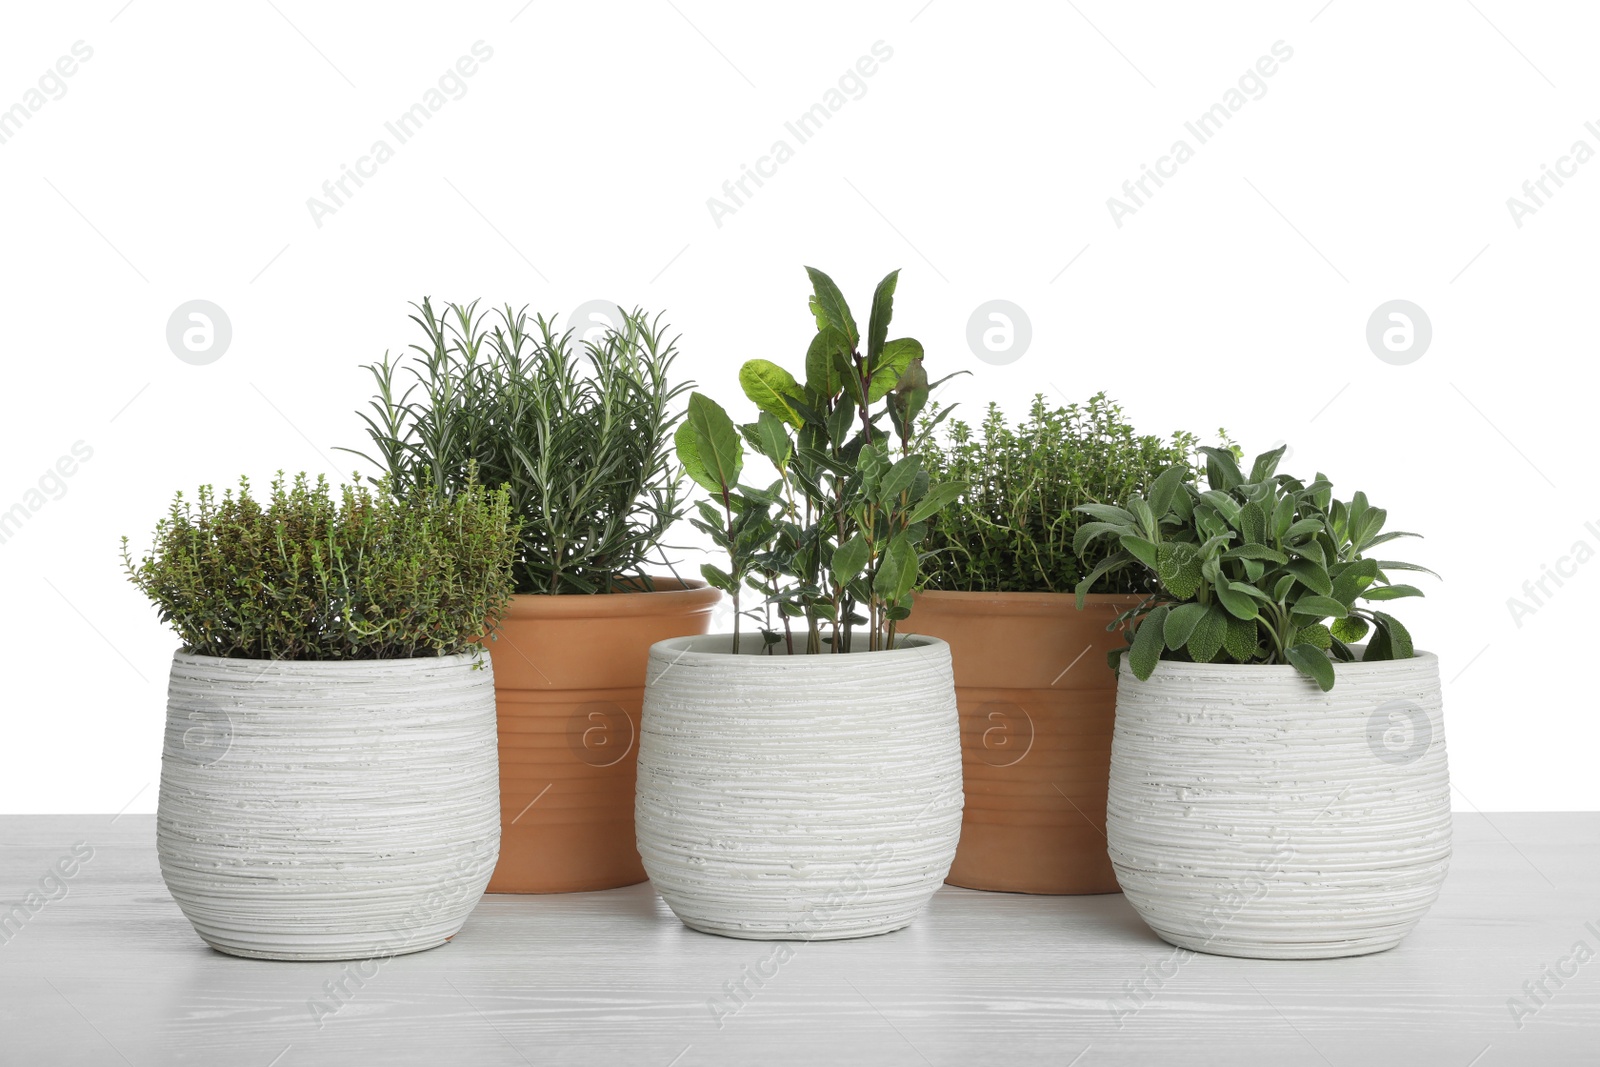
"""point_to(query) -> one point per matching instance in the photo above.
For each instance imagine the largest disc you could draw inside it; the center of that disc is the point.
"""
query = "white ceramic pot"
(798, 797)
(1252, 814)
(330, 809)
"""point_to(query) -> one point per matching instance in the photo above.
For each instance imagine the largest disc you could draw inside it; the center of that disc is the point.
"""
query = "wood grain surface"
(109, 972)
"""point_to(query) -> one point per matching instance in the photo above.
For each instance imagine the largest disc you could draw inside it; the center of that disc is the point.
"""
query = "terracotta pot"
(1252, 814)
(569, 681)
(1037, 707)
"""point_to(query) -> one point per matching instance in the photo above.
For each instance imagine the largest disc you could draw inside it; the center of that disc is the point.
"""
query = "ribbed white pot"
(798, 797)
(328, 810)
(1252, 814)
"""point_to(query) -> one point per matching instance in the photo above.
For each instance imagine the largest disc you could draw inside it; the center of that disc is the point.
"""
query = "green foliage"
(1250, 570)
(1012, 529)
(579, 435)
(833, 541)
(309, 577)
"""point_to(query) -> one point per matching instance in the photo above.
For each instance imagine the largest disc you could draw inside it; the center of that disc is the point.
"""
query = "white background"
(577, 166)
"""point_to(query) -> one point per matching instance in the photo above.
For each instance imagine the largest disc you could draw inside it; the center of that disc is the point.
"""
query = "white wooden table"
(109, 972)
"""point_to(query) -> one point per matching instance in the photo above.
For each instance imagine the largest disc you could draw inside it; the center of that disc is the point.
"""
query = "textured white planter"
(798, 797)
(328, 810)
(1252, 814)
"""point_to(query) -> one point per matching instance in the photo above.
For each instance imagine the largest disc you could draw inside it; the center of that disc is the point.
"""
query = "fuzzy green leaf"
(1350, 629)
(1301, 528)
(1142, 550)
(1319, 607)
(1353, 579)
(1261, 552)
(1107, 513)
(1392, 565)
(1101, 569)
(1181, 622)
(1178, 566)
(1209, 633)
(1165, 489)
(1252, 524)
(1316, 635)
(1391, 592)
(1223, 504)
(1239, 603)
(1398, 641)
(1385, 538)
(1266, 464)
(1222, 469)
(1147, 643)
(1241, 639)
(1314, 662)
(1311, 575)
(1090, 531)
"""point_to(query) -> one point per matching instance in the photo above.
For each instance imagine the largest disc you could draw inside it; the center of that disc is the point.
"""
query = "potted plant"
(580, 434)
(804, 781)
(328, 779)
(1277, 790)
(1036, 698)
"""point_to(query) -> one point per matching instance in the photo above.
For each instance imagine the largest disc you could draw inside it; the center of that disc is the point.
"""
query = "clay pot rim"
(1273, 673)
(200, 658)
(674, 596)
(984, 602)
(681, 650)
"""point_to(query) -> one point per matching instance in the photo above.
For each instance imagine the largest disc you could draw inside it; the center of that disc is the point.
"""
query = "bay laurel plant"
(1012, 529)
(831, 543)
(1257, 568)
(307, 575)
(579, 434)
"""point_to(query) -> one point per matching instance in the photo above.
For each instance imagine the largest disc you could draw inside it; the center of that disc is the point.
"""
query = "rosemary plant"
(579, 434)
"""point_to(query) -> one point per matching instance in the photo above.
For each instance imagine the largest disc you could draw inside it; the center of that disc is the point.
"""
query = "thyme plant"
(1261, 568)
(579, 434)
(1012, 529)
(308, 576)
(832, 543)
